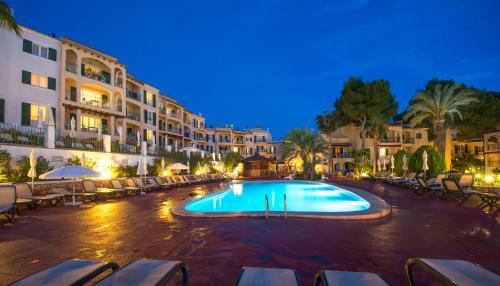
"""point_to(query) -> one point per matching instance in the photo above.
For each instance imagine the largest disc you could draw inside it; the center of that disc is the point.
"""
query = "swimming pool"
(301, 196)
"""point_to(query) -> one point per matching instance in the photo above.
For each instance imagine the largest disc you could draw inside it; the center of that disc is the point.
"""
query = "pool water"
(301, 196)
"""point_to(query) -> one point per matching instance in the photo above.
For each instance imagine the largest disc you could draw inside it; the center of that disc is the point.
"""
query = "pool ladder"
(267, 206)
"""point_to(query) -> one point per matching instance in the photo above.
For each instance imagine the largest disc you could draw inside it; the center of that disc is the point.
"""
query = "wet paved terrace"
(216, 248)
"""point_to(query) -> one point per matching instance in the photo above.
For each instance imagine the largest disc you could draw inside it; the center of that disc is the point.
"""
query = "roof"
(257, 158)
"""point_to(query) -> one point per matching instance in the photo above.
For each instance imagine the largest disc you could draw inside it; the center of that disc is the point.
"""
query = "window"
(36, 111)
(89, 123)
(383, 152)
(149, 135)
(39, 50)
(39, 80)
(418, 135)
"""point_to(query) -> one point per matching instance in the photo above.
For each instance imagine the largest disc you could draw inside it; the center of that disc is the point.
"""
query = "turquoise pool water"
(301, 196)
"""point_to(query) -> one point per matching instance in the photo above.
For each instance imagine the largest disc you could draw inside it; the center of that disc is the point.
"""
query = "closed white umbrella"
(99, 133)
(40, 118)
(138, 135)
(70, 172)
(383, 164)
(32, 171)
(84, 160)
(220, 157)
(50, 117)
(119, 129)
(392, 162)
(425, 166)
(206, 169)
(405, 163)
(166, 143)
(189, 167)
(140, 168)
(176, 145)
(213, 156)
(162, 166)
(72, 132)
(378, 165)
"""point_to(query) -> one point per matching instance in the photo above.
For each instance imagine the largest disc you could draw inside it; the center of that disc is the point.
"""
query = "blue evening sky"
(279, 63)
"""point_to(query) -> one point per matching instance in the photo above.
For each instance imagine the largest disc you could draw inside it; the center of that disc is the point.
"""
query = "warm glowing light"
(104, 168)
(364, 174)
(478, 176)
(489, 179)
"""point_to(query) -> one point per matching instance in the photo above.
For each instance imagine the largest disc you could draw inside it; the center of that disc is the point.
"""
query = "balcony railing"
(342, 155)
(71, 68)
(187, 134)
(118, 82)
(239, 142)
(260, 140)
(96, 103)
(409, 140)
(133, 95)
(162, 110)
(133, 116)
(390, 140)
(174, 130)
(76, 143)
(224, 140)
(22, 135)
(173, 115)
(99, 76)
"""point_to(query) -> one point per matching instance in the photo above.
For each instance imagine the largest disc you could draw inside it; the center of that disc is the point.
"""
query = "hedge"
(434, 160)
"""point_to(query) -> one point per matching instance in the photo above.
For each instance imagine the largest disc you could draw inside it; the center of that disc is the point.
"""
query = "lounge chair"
(345, 278)
(437, 181)
(116, 184)
(171, 181)
(154, 184)
(466, 181)
(8, 201)
(413, 183)
(324, 178)
(24, 192)
(403, 179)
(424, 188)
(6, 138)
(90, 186)
(23, 140)
(69, 272)
(162, 182)
(69, 195)
(452, 272)
(290, 177)
(146, 272)
(254, 276)
(140, 184)
(453, 189)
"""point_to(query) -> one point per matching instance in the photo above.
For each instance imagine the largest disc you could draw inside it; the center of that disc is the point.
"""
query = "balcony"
(260, 140)
(174, 130)
(162, 110)
(133, 95)
(224, 140)
(173, 115)
(342, 155)
(241, 142)
(133, 116)
(393, 140)
(98, 76)
(71, 68)
(96, 103)
(187, 134)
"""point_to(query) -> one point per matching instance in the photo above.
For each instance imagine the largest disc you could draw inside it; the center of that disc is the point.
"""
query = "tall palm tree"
(378, 127)
(438, 104)
(305, 144)
(327, 124)
(7, 20)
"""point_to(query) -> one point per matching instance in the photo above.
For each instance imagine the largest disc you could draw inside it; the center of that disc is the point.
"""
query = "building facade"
(89, 94)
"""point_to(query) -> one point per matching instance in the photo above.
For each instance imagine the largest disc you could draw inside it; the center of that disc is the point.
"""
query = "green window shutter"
(54, 115)
(51, 83)
(52, 54)
(104, 125)
(26, 77)
(154, 118)
(107, 76)
(154, 135)
(72, 96)
(145, 116)
(2, 110)
(27, 46)
(83, 69)
(144, 134)
(104, 98)
(25, 114)
(145, 97)
(154, 100)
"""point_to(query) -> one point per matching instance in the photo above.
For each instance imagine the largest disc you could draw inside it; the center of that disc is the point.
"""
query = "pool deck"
(216, 248)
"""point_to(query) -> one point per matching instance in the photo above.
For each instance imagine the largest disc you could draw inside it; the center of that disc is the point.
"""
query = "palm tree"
(327, 124)
(378, 127)
(438, 104)
(305, 144)
(7, 20)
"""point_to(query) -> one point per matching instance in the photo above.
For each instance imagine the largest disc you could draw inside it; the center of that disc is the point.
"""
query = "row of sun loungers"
(443, 185)
(147, 272)
(20, 194)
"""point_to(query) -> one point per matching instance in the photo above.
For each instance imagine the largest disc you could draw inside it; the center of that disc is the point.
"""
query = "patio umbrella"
(199, 165)
(166, 143)
(50, 117)
(425, 167)
(206, 169)
(84, 160)
(178, 167)
(189, 167)
(120, 134)
(138, 135)
(405, 163)
(392, 162)
(219, 157)
(72, 132)
(202, 154)
(99, 133)
(70, 172)
(32, 171)
(40, 118)
(213, 156)
(188, 154)
(383, 164)
(378, 165)
(162, 166)
(176, 147)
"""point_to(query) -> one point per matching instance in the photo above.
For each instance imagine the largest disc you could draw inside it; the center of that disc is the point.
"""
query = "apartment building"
(91, 94)
(348, 138)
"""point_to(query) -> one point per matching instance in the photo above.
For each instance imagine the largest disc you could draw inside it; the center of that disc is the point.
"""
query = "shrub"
(231, 160)
(75, 160)
(398, 161)
(467, 162)
(434, 160)
(23, 166)
(5, 169)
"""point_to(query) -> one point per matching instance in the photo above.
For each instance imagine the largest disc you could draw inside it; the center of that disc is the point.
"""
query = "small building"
(256, 166)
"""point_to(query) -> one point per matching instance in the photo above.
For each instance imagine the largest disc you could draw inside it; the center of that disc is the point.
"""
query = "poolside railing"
(22, 135)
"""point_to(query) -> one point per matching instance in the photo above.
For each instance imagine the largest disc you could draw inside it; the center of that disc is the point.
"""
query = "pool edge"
(378, 209)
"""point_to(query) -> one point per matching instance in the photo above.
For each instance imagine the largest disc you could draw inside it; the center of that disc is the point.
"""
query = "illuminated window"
(383, 152)
(149, 135)
(149, 98)
(39, 80)
(37, 110)
(88, 123)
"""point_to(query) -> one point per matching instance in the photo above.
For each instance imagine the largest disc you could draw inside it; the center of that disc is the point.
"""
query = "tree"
(435, 161)
(398, 161)
(328, 123)
(467, 162)
(306, 145)
(360, 100)
(480, 116)
(378, 127)
(231, 160)
(23, 166)
(7, 20)
(438, 104)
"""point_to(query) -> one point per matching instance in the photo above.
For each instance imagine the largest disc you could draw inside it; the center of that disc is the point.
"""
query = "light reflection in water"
(164, 211)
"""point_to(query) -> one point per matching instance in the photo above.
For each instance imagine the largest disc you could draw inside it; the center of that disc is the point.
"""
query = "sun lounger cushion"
(145, 272)
(256, 276)
(345, 278)
(69, 272)
(454, 272)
